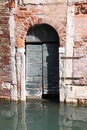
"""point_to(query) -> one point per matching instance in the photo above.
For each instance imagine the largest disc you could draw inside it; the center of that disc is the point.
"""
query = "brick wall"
(5, 72)
(80, 47)
(25, 16)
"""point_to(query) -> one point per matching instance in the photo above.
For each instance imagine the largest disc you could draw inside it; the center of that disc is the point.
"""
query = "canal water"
(37, 115)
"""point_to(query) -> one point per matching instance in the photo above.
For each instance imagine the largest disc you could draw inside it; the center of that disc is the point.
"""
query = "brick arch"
(22, 30)
(26, 24)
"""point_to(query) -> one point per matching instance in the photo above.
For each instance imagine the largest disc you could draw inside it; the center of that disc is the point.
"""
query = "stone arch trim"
(22, 30)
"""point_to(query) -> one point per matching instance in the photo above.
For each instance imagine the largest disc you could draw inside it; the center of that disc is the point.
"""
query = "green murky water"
(42, 116)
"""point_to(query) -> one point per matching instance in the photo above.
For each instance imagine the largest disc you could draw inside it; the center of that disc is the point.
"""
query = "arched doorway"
(42, 73)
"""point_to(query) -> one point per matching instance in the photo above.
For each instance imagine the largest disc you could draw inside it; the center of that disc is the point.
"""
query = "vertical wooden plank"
(34, 70)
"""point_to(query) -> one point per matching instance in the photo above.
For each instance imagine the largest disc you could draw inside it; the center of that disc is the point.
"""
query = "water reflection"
(42, 116)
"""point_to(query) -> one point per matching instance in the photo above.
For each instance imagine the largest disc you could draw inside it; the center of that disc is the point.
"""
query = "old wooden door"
(42, 61)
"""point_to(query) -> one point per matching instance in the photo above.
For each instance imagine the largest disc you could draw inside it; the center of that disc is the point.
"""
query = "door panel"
(34, 70)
